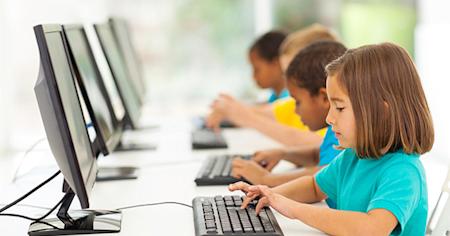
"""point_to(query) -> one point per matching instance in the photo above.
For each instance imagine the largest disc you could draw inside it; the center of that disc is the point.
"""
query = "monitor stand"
(116, 173)
(129, 146)
(77, 222)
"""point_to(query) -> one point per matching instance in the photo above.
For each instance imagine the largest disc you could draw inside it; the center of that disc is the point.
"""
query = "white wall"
(20, 122)
(432, 58)
(4, 75)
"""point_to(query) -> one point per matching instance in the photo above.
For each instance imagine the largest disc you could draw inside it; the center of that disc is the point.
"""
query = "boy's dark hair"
(307, 69)
(268, 45)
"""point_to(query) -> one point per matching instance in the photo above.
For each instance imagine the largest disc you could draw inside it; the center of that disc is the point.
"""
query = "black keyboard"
(200, 122)
(222, 215)
(217, 170)
(207, 139)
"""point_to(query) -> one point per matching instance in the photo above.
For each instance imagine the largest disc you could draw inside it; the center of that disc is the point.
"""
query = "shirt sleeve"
(328, 177)
(398, 191)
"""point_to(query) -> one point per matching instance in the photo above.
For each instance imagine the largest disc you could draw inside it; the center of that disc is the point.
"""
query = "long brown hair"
(389, 104)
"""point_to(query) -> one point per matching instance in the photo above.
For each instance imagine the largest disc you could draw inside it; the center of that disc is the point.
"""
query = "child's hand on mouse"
(269, 158)
(249, 170)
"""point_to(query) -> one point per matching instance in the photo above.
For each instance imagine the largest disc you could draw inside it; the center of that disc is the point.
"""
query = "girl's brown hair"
(389, 104)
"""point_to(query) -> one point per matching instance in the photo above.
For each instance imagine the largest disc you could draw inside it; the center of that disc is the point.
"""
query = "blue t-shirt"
(273, 97)
(327, 150)
(396, 182)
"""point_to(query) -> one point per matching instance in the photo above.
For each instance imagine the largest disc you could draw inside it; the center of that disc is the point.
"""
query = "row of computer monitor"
(69, 83)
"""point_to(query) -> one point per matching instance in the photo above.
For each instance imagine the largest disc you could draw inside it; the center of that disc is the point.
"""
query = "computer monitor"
(116, 62)
(93, 89)
(96, 100)
(123, 36)
(67, 135)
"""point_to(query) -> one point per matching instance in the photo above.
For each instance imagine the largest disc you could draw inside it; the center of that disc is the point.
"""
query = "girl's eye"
(340, 108)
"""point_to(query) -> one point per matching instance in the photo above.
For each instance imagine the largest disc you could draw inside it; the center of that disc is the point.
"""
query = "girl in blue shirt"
(382, 122)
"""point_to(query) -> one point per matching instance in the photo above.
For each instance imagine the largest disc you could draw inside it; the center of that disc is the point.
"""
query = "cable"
(154, 204)
(39, 219)
(50, 211)
(28, 218)
(30, 192)
(15, 177)
(30, 206)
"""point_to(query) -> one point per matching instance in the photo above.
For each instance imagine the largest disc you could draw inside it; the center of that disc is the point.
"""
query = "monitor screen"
(123, 36)
(62, 113)
(106, 74)
(92, 87)
(120, 73)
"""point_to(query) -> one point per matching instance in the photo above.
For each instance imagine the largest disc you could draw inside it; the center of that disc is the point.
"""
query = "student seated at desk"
(277, 120)
(306, 81)
(383, 124)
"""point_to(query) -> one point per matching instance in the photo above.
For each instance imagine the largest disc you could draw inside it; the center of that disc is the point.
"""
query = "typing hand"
(213, 120)
(269, 158)
(267, 197)
(250, 170)
(233, 110)
(252, 192)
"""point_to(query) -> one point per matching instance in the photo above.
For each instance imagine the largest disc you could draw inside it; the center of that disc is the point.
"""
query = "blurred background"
(193, 49)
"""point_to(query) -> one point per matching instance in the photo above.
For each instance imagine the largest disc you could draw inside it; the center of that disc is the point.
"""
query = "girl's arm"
(330, 221)
(339, 222)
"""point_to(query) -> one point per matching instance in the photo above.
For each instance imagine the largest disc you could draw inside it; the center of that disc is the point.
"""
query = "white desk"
(166, 174)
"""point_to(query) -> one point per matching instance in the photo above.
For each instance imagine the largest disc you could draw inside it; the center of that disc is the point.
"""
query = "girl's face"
(341, 116)
(265, 73)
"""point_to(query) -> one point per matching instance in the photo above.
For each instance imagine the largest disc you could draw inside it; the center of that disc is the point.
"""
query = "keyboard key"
(265, 221)
(237, 198)
(255, 220)
(209, 217)
(218, 167)
(227, 167)
(208, 167)
(235, 223)
(207, 209)
(210, 224)
(220, 203)
(228, 198)
(229, 203)
(246, 225)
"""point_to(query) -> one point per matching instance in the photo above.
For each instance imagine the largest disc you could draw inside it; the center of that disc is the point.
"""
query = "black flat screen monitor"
(101, 110)
(123, 36)
(127, 91)
(67, 134)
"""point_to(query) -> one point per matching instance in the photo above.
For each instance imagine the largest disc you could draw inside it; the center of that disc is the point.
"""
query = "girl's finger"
(262, 202)
(248, 199)
(239, 186)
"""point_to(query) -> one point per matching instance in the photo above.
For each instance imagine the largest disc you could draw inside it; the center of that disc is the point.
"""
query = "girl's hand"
(233, 110)
(266, 198)
(250, 170)
(213, 120)
(269, 158)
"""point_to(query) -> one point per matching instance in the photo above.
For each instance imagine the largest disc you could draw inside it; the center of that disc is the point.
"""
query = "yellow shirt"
(284, 112)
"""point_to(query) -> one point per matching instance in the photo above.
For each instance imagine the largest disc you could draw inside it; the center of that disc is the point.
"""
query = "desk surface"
(166, 174)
